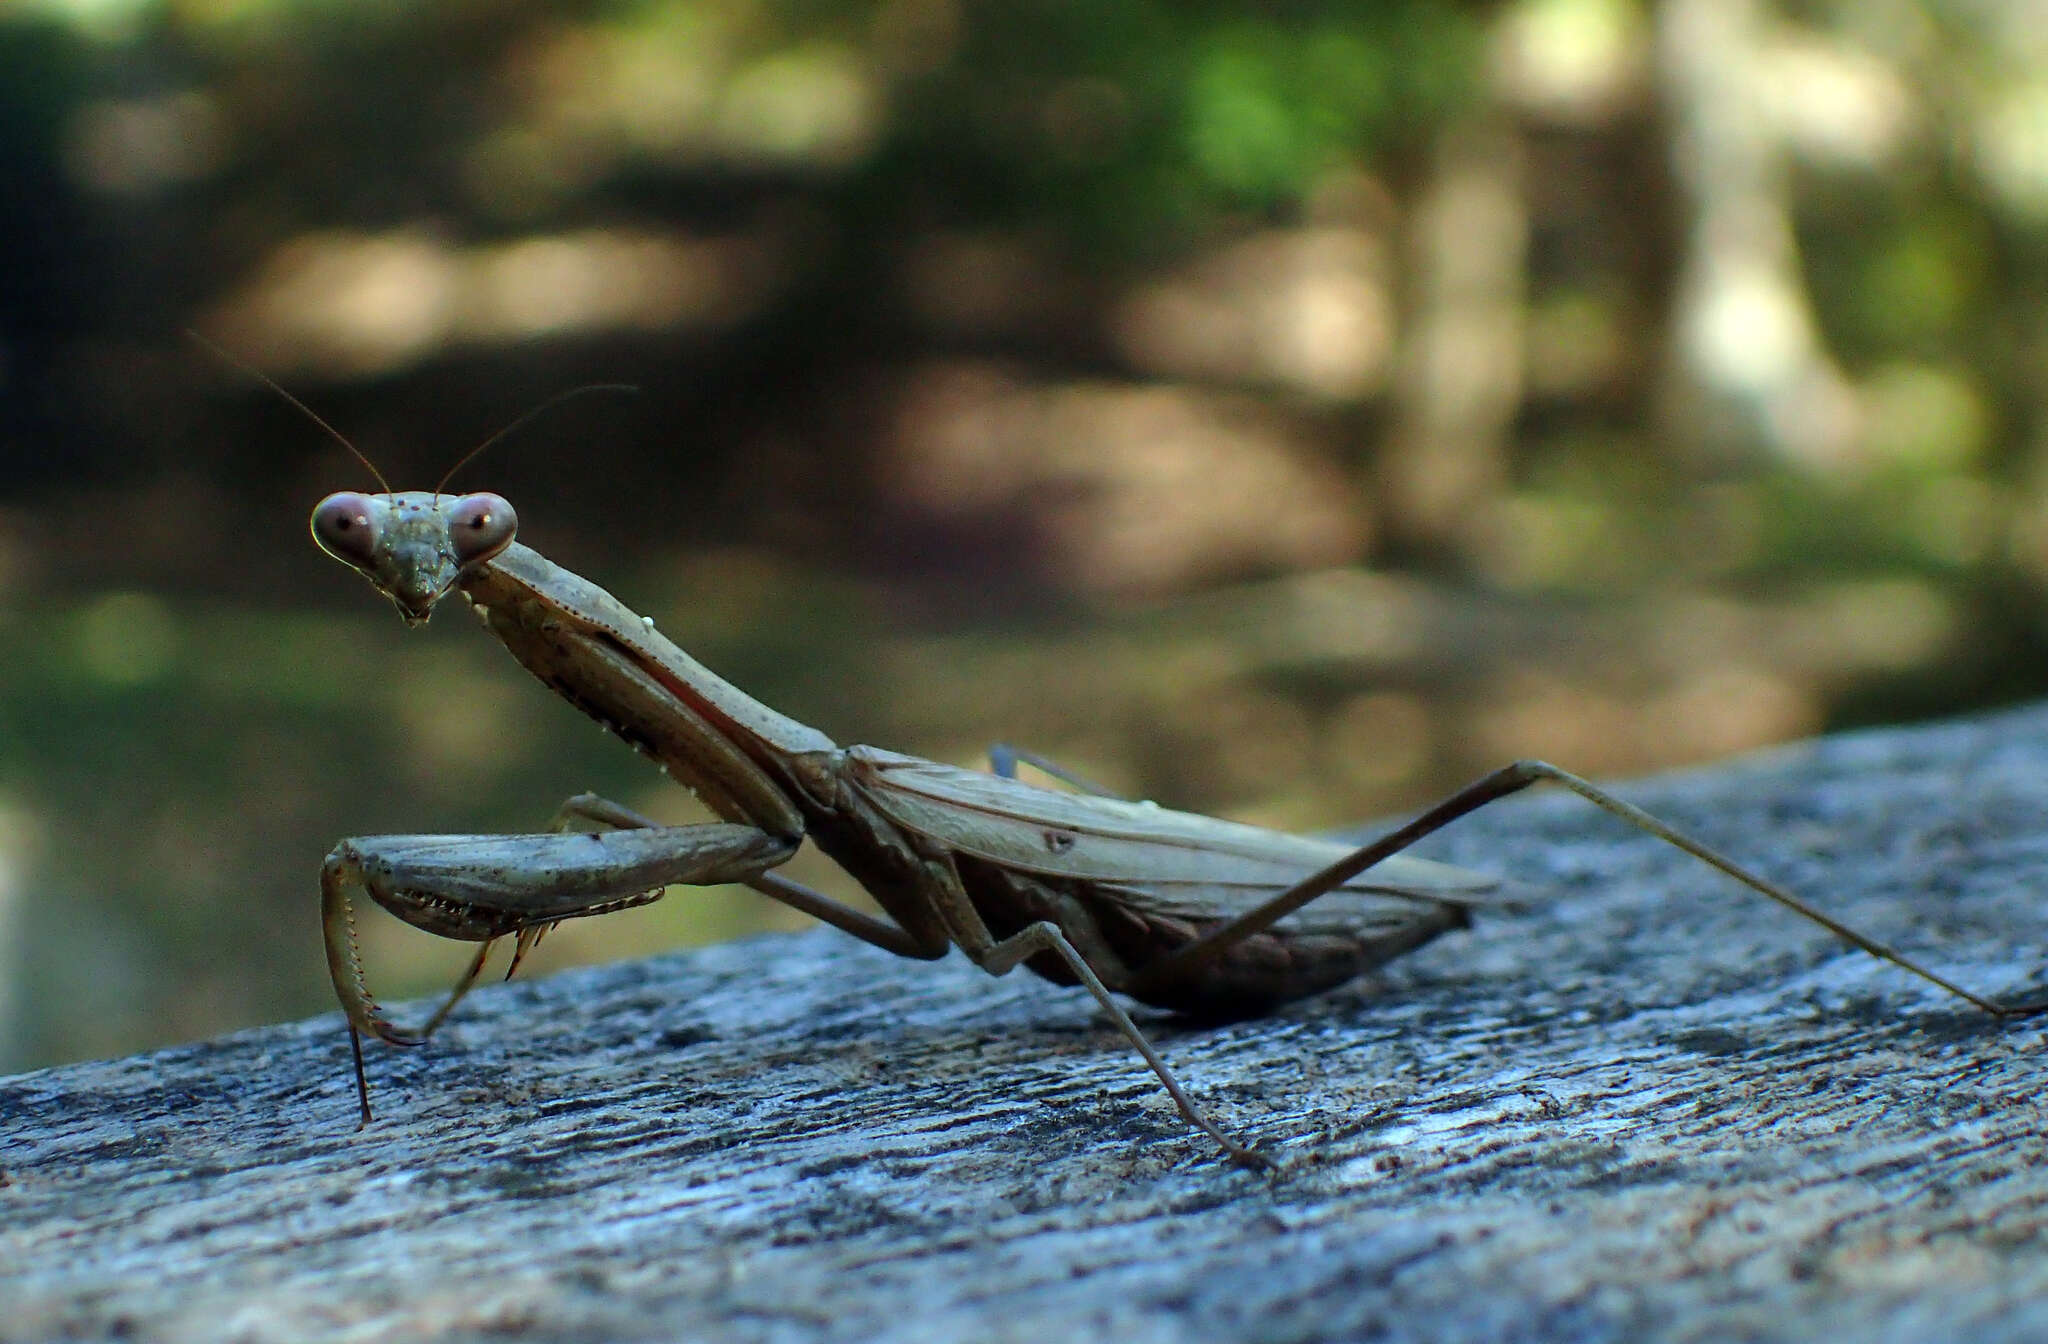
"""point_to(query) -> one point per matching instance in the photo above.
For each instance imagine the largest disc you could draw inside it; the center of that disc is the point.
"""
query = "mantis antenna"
(526, 419)
(357, 453)
(303, 409)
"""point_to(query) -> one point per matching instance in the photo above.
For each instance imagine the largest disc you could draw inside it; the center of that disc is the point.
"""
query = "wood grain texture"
(1652, 1106)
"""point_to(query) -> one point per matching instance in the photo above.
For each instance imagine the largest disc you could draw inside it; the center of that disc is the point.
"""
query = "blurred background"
(1287, 411)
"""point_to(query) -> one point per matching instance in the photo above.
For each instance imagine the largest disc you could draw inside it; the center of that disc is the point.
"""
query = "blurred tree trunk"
(1461, 374)
(1748, 367)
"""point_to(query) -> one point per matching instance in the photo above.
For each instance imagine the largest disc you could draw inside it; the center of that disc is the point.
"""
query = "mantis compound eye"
(345, 527)
(480, 526)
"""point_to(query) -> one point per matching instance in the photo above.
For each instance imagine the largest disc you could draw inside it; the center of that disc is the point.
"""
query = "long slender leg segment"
(880, 932)
(1045, 936)
(971, 934)
(1191, 958)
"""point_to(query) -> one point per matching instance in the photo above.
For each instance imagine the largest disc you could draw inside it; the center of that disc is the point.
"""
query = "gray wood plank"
(1651, 1106)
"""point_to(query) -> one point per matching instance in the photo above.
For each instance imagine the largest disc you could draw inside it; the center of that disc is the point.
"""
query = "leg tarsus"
(355, 1046)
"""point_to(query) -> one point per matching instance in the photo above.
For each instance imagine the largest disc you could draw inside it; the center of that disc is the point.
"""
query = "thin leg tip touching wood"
(1251, 1159)
(2024, 1008)
(355, 1045)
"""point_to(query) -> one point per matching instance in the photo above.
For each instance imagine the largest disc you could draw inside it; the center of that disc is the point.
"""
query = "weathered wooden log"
(1653, 1105)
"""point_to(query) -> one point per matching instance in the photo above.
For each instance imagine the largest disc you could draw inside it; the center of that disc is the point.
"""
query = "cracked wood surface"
(1652, 1105)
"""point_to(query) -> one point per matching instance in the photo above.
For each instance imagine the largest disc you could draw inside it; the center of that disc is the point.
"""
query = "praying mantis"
(1172, 909)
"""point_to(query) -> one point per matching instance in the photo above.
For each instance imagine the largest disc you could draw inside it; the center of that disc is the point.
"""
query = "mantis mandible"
(1169, 908)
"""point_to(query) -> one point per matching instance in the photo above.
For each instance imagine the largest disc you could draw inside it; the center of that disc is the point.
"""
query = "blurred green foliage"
(1135, 129)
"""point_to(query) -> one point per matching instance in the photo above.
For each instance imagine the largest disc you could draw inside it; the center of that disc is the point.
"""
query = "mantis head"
(412, 545)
